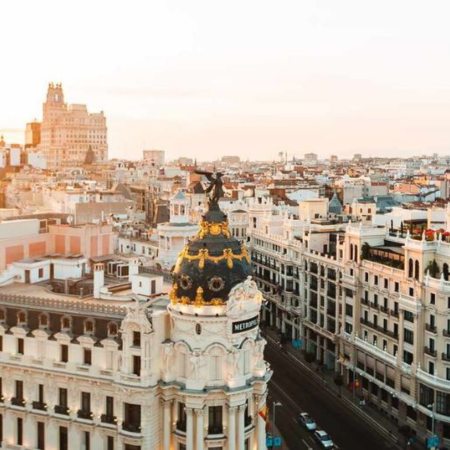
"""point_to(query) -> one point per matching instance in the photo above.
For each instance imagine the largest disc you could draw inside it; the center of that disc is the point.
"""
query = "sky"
(250, 78)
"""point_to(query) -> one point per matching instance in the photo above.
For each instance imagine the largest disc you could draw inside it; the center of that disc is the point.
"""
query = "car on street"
(323, 439)
(307, 421)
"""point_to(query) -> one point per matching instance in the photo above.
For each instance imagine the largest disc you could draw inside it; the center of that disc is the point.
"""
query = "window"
(1, 343)
(431, 367)
(137, 365)
(89, 326)
(41, 273)
(136, 339)
(19, 436)
(408, 336)
(132, 418)
(64, 353)
(110, 443)
(215, 420)
(40, 436)
(409, 316)
(348, 310)
(110, 406)
(112, 329)
(19, 390)
(396, 286)
(43, 320)
(20, 346)
(386, 283)
(375, 280)
(433, 298)
(63, 438)
(65, 323)
(87, 440)
(41, 394)
(63, 397)
(87, 356)
(408, 357)
(366, 277)
(86, 402)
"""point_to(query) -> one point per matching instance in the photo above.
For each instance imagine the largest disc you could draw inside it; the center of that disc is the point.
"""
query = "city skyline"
(330, 79)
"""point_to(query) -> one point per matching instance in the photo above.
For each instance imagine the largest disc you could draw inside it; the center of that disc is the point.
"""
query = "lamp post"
(275, 404)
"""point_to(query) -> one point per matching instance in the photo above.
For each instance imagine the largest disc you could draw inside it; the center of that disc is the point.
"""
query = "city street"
(298, 391)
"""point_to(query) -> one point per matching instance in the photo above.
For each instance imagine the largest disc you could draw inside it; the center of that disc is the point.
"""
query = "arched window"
(43, 320)
(112, 329)
(445, 271)
(21, 318)
(417, 270)
(66, 323)
(89, 326)
(410, 268)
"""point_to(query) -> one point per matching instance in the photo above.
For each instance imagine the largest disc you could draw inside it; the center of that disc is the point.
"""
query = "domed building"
(215, 377)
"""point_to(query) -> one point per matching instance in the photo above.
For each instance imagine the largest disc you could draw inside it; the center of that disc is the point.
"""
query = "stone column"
(189, 429)
(200, 429)
(241, 428)
(167, 423)
(231, 428)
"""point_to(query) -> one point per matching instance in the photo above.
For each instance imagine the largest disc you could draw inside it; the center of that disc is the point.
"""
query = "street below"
(298, 391)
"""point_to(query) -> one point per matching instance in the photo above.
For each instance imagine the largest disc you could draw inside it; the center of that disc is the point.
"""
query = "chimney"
(99, 278)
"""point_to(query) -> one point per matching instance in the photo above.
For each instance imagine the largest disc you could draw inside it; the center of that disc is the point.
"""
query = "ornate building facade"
(104, 367)
(70, 135)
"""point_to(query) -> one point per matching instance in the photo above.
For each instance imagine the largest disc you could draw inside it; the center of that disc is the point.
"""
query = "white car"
(306, 420)
(323, 439)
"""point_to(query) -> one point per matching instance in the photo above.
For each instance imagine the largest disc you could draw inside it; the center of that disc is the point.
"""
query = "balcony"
(85, 414)
(63, 410)
(16, 401)
(384, 309)
(445, 356)
(39, 406)
(131, 427)
(446, 332)
(108, 419)
(430, 352)
(395, 313)
(364, 301)
(430, 328)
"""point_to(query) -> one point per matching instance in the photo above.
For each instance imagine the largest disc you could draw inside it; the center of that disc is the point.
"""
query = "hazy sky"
(206, 78)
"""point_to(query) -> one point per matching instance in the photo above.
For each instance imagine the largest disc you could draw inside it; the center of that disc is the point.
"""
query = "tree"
(339, 381)
(433, 268)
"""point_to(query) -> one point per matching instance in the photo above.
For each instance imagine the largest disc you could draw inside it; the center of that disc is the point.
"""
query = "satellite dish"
(70, 220)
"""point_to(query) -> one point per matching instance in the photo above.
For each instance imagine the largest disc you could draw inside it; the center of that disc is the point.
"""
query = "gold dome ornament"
(199, 297)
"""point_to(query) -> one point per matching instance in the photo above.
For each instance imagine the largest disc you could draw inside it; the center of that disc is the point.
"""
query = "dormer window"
(66, 324)
(112, 329)
(89, 326)
(43, 320)
(21, 318)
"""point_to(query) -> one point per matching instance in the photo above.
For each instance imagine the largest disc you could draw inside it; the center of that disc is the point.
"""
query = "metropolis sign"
(245, 325)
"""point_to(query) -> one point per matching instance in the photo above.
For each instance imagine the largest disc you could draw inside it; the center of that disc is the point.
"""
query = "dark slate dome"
(211, 264)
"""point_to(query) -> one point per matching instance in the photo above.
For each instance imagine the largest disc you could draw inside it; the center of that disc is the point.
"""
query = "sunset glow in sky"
(252, 78)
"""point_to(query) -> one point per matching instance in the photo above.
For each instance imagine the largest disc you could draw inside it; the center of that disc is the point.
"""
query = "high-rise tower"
(70, 132)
